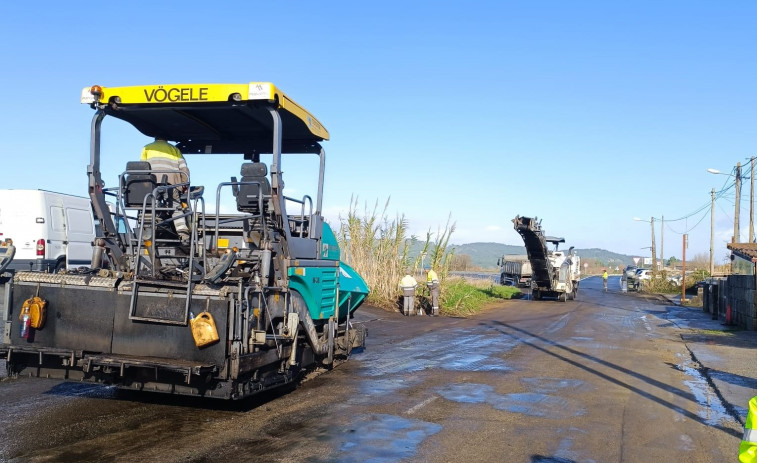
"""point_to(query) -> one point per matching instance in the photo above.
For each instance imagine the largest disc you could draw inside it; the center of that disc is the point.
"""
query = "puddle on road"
(564, 451)
(383, 387)
(679, 317)
(585, 342)
(468, 393)
(462, 351)
(379, 438)
(534, 404)
(541, 459)
(527, 403)
(90, 390)
(547, 385)
(712, 410)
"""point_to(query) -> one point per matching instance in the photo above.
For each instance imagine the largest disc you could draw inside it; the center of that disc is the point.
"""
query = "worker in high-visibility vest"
(432, 281)
(167, 158)
(748, 447)
(408, 285)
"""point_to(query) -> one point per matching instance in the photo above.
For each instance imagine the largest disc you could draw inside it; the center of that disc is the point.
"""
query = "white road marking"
(417, 407)
(646, 323)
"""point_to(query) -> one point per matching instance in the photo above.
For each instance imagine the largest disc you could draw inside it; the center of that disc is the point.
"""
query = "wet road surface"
(605, 378)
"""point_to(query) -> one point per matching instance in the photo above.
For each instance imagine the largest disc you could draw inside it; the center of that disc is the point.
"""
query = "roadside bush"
(463, 297)
(660, 285)
(696, 275)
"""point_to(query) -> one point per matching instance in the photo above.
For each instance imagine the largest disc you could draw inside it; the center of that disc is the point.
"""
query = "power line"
(718, 195)
(689, 228)
(725, 193)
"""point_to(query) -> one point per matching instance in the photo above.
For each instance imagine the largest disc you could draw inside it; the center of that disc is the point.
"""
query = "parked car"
(674, 279)
(634, 281)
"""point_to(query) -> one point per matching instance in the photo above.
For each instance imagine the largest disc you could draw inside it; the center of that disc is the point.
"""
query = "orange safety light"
(96, 90)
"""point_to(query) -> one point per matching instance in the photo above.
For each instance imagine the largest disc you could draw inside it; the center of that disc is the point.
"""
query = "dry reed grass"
(378, 249)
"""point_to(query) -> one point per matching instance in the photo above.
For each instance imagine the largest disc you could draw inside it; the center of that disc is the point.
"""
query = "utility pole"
(751, 206)
(654, 255)
(712, 233)
(683, 271)
(662, 242)
(735, 238)
(736, 223)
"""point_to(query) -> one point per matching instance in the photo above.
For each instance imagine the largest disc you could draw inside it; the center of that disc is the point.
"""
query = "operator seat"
(137, 185)
(252, 195)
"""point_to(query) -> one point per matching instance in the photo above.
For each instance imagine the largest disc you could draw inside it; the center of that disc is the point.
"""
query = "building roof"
(747, 251)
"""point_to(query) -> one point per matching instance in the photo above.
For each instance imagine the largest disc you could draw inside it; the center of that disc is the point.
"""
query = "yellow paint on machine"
(173, 93)
(204, 93)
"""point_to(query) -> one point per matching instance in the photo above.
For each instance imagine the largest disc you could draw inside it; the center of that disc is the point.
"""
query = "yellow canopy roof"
(212, 118)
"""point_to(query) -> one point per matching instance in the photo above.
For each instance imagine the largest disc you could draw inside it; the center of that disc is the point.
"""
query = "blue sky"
(585, 114)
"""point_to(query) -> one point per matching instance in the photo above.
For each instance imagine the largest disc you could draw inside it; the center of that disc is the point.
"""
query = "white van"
(51, 231)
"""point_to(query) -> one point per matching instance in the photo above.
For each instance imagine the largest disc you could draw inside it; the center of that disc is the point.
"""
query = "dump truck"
(257, 297)
(555, 273)
(514, 271)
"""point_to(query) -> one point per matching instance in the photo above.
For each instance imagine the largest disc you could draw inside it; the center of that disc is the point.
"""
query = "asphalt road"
(604, 378)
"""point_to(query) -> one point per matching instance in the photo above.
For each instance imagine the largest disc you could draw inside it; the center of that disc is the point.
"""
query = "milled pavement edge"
(726, 355)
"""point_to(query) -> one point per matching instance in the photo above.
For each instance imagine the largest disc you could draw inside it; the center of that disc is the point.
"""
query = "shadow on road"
(98, 391)
(503, 328)
(543, 459)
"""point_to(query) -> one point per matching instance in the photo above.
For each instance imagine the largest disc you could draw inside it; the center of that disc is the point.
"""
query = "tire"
(536, 295)
(60, 265)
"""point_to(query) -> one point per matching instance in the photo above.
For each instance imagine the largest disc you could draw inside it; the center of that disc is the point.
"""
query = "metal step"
(122, 363)
(6, 293)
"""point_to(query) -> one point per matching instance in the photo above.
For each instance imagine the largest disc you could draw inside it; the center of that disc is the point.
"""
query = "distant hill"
(486, 254)
(605, 257)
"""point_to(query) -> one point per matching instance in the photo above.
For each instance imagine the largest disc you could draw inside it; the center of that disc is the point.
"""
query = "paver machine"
(554, 273)
(255, 299)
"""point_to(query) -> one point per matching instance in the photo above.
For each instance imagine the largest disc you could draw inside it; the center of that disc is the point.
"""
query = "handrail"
(302, 211)
(246, 216)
